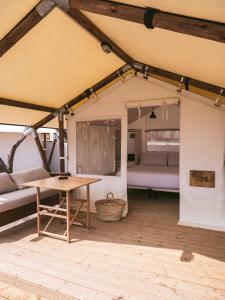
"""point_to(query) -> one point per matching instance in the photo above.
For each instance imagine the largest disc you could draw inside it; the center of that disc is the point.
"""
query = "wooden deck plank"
(147, 256)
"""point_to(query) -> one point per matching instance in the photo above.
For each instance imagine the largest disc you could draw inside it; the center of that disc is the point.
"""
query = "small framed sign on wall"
(202, 178)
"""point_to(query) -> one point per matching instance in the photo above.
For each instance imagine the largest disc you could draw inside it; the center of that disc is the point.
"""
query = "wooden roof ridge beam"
(26, 24)
(151, 18)
(26, 105)
(187, 81)
(89, 26)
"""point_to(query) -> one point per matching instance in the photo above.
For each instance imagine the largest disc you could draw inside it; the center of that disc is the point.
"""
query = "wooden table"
(63, 185)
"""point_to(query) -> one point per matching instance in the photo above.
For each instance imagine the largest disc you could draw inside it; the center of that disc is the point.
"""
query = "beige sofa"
(17, 201)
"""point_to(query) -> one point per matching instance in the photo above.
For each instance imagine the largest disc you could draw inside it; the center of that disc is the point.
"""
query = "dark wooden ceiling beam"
(26, 105)
(187, 25)
(83, 21)
(31, 20)
(141, 67)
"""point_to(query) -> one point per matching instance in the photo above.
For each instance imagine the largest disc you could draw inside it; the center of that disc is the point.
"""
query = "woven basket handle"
(110, 196)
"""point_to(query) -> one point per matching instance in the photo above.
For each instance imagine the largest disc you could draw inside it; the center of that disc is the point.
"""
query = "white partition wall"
(115, 184)
(202, 148)
(202, 145)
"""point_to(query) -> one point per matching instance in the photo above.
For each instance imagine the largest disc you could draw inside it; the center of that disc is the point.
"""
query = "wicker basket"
(110, 209)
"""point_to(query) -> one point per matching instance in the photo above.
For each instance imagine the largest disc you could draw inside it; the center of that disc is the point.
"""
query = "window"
(163, 139)
(98, 147)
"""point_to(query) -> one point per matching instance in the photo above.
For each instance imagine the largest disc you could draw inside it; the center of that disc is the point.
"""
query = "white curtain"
(95, 149)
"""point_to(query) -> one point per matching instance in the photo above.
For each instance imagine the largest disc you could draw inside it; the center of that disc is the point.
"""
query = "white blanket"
(162, 177)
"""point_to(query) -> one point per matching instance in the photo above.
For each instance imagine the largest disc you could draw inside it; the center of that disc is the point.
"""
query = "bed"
(156, 171)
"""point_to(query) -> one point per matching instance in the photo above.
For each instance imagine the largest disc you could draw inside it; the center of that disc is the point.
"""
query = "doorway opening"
(153, 146)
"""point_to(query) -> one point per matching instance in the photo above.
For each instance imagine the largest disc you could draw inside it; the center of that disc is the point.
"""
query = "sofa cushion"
(22, 197)
(154, 158)
(6, 183)
(29, 175)
(173, 159)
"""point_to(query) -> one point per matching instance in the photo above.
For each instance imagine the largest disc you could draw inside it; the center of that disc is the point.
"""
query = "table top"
(55, 183)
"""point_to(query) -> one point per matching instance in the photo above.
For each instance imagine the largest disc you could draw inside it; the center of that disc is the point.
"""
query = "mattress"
(161, 177)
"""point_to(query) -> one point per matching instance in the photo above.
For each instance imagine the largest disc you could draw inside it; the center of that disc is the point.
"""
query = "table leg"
(38, 212)
(68, 197)
(88, 206)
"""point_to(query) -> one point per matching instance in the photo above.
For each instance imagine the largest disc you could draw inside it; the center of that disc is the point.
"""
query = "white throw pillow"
(154, 158)
(6, 184)
(29, 175)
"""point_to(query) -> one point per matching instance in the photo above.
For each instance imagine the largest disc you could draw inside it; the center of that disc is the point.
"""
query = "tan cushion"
(22, 197)
(29, 175)
(6, 184)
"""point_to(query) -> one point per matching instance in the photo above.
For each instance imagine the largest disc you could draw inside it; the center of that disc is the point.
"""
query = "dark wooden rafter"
(82, 20)
(27, 23)
(65, 107)
(187, 82)
(187, 25)
(26, 105)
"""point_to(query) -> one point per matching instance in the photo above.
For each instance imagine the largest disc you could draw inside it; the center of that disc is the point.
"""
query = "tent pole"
(61, 142)
(40, 149)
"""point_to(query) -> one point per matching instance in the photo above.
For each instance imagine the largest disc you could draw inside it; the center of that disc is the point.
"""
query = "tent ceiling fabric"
(20, 116)
(193, 57)
(57, 60)
(54, 62)
(12, 12)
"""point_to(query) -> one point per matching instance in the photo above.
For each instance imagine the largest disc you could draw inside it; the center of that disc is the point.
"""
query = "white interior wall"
(159, 123)
(54, 166)
(113, 104)
(202, 146)
(26, 156)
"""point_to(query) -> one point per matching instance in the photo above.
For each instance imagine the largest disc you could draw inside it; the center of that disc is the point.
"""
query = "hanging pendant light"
(152, 115)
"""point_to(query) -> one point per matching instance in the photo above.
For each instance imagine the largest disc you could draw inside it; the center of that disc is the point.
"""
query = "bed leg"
(149, 193)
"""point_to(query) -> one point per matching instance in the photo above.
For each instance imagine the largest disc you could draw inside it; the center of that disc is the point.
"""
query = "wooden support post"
(45, 144)
(40, 149)
(88, 207)
(61, 142)
(38, 211)
(51, 153)
(68, 225)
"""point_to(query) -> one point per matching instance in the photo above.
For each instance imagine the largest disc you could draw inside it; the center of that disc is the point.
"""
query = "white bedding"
(162, 177)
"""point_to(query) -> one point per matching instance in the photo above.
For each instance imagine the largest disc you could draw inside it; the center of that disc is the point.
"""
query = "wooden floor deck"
(146, 256)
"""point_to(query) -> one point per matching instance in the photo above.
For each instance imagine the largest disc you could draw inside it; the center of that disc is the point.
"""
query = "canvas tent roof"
(57, 60)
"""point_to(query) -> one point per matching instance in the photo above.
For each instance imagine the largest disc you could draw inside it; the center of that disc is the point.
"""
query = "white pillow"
(29, 175)
(6, 184)
(173, 159)
(154, 158)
